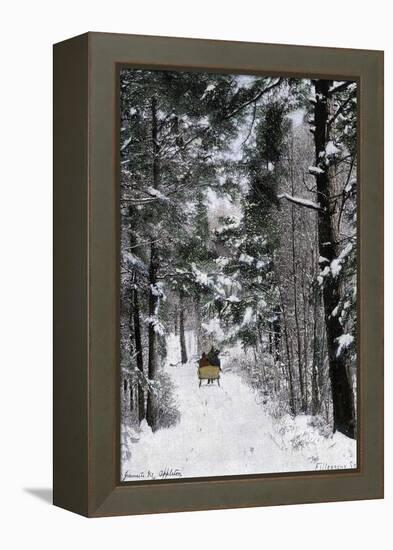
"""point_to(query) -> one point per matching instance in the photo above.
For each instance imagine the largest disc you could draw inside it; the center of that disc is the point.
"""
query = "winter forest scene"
(238, 274)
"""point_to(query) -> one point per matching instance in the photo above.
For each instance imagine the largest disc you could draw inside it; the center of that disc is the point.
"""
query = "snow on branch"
(125, 144)
(133, 262)
(341, 87)
(157, 326)
(315, 170)
(300, 201)
(343, 341)
(152, 192)
(210, 88)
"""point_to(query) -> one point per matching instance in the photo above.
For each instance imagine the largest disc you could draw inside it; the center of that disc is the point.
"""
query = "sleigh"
(209, 373)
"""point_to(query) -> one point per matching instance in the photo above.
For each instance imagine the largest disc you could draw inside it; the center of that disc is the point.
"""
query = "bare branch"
(251, 125)
(254, 99)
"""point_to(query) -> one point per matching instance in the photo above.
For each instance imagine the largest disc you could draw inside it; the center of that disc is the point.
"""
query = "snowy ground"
(226, 431)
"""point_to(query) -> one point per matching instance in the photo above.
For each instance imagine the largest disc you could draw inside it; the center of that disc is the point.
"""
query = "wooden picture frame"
(86, 293)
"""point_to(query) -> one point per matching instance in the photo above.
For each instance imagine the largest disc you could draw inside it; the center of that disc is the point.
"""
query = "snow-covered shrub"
(301, 441)
(128, 397)
(128, 436)
(125, 444)
(167, 414)
(278, 404)
(319, 422)
(262, 377)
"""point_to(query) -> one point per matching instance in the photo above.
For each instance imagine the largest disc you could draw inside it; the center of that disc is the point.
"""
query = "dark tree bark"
(277, 335)
(295, 304)
(135, 329)
(132, 401)
(183, 348)
(199, 324)
(342, 394)
(151, 408)
(292, 406)
(315, 403)
(176, 321)
(270, 338)
(305, 335)
(138, 350)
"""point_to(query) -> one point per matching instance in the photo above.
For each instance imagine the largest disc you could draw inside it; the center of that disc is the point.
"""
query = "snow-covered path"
(226, 431)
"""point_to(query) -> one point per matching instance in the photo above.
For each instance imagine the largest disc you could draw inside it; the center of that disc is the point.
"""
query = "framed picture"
(218, 261)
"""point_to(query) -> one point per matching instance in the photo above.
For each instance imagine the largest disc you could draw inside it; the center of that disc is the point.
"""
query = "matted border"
(104, 495)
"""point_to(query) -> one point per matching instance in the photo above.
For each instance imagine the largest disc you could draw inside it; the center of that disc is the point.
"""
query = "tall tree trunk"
(198, 320)
(315, 359)
(305, 336)
(295, 302)
(135, 329)
(270, 339)
(176, 320)
(183, 348)
(276, 325)
(132, 401)
(292, 406)
(277, 335)
(151, 408)
(342, 394)
(138, 351)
